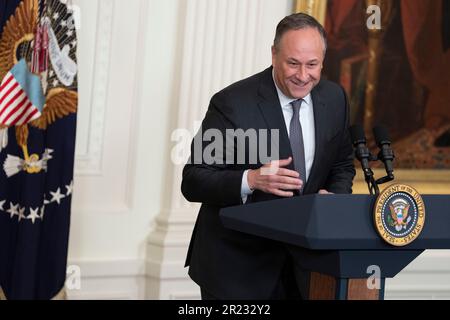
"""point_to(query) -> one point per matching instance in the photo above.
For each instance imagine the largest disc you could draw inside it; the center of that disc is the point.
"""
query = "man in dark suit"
(308, 119)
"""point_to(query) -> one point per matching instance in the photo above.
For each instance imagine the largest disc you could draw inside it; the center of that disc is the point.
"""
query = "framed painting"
(391, 79)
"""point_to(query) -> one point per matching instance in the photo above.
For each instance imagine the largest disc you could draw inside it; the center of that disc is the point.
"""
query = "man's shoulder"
(329, 87)
(331, 94)
(244, 89)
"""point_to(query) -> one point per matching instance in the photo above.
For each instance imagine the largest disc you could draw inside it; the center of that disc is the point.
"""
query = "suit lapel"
(320, 124)
(269, 105)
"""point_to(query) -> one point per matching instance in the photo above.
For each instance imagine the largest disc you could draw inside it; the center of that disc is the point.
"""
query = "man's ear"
(274, 53)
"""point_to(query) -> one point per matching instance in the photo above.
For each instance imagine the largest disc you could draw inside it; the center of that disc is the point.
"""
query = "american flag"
(36, 175)
(21, 97)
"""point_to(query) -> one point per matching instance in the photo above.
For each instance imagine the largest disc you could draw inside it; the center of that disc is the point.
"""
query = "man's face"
(298, 62)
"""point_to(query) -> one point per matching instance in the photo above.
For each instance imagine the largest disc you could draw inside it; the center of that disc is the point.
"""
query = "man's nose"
(302, 74)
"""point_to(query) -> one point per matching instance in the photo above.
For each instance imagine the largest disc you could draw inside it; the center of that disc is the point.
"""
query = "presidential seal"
(399, 215)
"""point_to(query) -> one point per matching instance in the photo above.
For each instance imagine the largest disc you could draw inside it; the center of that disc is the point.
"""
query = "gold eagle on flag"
(42, 32)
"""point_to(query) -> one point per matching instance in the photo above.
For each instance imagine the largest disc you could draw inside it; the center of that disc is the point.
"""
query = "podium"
(333, 240)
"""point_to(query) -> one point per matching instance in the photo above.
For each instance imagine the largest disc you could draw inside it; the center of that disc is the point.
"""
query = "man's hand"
(323, 191)
(273, 178)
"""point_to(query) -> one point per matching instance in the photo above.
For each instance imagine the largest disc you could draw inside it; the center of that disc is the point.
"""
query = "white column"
(222, 43)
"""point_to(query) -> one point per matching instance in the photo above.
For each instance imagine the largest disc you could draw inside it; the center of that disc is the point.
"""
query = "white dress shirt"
(308, 130)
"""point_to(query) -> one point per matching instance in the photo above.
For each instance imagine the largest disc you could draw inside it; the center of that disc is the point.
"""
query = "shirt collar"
(286, 101)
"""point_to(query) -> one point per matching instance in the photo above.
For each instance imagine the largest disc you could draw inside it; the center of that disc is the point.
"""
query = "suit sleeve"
(210, 180)
(340, 178)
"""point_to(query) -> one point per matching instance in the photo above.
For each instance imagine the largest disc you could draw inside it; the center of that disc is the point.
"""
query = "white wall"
(139, 60)
(130, 60)
(127, 59)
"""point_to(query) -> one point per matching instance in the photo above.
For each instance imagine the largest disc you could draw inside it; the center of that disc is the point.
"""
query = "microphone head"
(381, 135)
(357, 134)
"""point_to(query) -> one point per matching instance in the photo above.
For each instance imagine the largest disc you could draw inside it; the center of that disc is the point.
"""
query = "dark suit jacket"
(234, 265)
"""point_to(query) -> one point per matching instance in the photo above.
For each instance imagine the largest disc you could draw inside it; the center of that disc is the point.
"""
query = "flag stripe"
(33, 116)
(18, 111)
(9, 90)
(28, 113)
(11, 104)
(16, 115)
(22, 113)
(15, 105)
(12, 97)
(5, 83)
(3, 97)
(12, 115)
(6, 111)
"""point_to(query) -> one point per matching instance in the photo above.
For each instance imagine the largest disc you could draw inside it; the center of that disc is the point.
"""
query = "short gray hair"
(298, 21)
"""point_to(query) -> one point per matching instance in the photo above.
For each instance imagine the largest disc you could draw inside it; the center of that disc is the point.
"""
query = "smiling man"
(297, 59)
(314, 155)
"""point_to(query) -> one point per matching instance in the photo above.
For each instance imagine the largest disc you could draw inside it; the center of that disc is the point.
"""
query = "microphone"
(359, 142)
(363, 154)
(386, 153)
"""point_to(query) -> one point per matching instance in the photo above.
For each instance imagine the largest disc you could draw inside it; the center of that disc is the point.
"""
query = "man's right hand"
(273, 178)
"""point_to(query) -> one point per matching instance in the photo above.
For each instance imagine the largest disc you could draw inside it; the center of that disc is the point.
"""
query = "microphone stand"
(386, 154)
(363, 154)
(383, 154)
(372, 184)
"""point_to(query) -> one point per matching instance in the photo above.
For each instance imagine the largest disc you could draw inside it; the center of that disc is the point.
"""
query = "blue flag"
(38, 105)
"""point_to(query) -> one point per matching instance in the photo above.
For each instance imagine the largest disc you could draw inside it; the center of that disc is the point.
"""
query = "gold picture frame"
(425, 181)
(315, 8)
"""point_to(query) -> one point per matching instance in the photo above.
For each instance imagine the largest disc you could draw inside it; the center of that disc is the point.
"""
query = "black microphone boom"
(363, 154)
(359, 142)
(386, 153)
